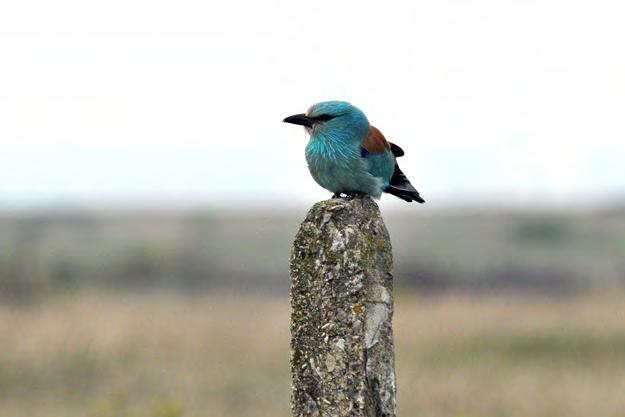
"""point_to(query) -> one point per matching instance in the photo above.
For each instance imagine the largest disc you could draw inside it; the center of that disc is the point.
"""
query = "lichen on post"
(342, 354)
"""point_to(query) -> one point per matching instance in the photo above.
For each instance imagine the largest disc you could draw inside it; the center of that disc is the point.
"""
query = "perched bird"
(346, 155)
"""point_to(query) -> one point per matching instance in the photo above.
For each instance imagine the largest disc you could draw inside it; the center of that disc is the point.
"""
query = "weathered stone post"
(342, 355)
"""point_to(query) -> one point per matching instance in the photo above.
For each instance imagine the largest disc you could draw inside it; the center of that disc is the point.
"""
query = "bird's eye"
(323, 117)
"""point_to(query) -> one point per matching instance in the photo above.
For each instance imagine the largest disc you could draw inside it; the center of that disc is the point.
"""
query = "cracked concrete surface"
(342, 354)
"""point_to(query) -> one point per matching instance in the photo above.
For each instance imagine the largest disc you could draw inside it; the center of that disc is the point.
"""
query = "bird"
(346, 155)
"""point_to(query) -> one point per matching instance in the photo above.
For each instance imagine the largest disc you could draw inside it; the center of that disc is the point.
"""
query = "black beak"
(299, 119)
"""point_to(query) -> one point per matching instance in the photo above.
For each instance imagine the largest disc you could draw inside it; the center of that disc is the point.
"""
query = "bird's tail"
(401, 187)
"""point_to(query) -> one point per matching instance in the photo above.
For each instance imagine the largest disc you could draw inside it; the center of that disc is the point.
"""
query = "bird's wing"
(398, 185)
(376, 152)
(375, 143)
(397, 151)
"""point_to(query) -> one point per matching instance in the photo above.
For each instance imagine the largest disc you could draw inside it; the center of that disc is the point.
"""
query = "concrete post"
(342, 354)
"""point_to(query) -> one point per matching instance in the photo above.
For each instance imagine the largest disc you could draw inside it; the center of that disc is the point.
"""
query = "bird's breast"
(323, 153)
(338, 167)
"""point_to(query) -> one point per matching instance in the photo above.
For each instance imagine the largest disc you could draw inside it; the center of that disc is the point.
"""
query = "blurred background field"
(164, 355)
(548, 252)
(149, 194)
(185, 313)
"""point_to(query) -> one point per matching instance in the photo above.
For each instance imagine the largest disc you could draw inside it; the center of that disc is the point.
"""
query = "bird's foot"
(350, 195)
(355, 194)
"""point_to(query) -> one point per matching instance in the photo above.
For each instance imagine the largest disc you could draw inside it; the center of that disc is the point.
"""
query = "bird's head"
(334, 118)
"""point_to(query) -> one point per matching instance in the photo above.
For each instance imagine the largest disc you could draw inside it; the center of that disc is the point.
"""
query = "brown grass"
(226, 355)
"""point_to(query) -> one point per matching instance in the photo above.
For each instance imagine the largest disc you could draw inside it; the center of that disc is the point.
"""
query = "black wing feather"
(396, 150)
(400, 185)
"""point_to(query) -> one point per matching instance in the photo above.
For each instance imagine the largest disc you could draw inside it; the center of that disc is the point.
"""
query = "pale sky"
(139, 101)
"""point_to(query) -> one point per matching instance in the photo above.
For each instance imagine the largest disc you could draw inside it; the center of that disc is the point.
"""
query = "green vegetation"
(226, 355)
(545, 253)
(152, 315)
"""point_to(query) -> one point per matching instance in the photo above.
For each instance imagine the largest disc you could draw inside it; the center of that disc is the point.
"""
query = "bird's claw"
(355, 195)
(350, 195)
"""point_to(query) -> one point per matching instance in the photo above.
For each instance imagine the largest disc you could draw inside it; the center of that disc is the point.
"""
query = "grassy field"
(226, 355)
(560, 252)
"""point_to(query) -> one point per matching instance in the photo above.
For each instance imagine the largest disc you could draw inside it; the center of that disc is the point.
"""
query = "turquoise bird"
(346, 155)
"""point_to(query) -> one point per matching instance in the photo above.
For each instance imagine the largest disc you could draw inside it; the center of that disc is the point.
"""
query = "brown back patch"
(375, 142)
